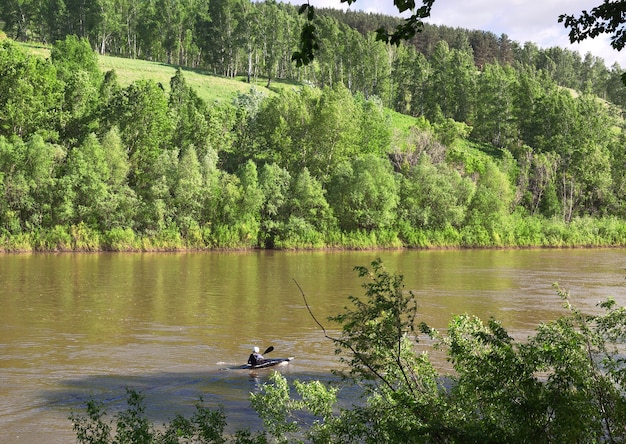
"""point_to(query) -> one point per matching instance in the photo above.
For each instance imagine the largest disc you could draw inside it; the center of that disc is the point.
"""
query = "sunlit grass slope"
(210, 88)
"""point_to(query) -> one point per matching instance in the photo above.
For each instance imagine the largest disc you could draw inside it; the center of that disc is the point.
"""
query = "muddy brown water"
(75, 327)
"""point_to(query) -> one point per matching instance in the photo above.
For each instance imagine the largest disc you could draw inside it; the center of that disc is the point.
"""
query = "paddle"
(269, 349)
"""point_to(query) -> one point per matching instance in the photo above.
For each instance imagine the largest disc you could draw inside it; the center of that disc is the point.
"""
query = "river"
(172, 325)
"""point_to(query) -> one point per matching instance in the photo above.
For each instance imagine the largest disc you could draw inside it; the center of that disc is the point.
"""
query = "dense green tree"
(406, 73)
(128, 39)
(369, 66)
(495, 112)
(528, 90)
(210, 186)
(492, 201)
(363, 194)
(307, 201)
(77, 67)
(616, 93)
(619, 181)
(147, 32)
(528, 54)
(19, 16)
(433, 196)
(275, 183)
(176, 21)
(275, 25)
(121, 207)
(249, 26)
(154, 190)
(188, 190)
(335, 131)
(439, 94)
(283, 129)
(84, 186)
(564, 66)
(463, 79)
(336, 53)
(140, 111)
(226, 196)
(222, 40)
(375, 128)
(29, 177)
(593, 76)
(188, 114)
(537, 182)
(53, 16)
(107, 24)
(451, 84)
(590, 158)
(30, 94)
(252, 198)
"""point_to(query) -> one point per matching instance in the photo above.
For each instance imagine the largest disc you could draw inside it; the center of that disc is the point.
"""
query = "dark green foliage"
(189, 116)
(433, 196)
(564, 383)
(30, 94)
(132, 426)
(363, 194)
(72, 55)
(308, 38)
(606, 18)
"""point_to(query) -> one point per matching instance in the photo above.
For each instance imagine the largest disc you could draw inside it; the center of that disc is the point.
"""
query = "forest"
(456, 138)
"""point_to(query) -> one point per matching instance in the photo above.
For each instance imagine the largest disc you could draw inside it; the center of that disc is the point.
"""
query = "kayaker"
(256, 357)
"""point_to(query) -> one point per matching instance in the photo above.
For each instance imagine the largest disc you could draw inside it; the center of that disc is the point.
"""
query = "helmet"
(256, 349)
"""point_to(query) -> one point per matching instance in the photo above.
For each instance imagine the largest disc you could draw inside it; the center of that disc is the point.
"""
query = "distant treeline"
(88, 164)
(257, 39)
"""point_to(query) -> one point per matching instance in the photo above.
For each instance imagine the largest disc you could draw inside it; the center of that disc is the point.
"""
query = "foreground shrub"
(566, 383)
(132, 426)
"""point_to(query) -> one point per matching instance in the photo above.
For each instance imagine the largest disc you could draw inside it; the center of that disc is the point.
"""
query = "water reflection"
(79, 325)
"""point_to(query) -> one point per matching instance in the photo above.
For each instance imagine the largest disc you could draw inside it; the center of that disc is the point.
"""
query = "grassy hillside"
(209, 87)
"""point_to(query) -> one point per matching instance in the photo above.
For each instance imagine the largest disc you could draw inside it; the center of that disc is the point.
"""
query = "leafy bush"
(121, 239)
(132, 426)
(85, 238)
(15, 242)
(55, 239)
(566, 383)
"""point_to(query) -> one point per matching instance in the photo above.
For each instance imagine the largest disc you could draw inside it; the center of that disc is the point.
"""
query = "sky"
(521, 20)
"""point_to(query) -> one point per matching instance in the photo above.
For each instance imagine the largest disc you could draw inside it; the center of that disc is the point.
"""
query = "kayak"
(265, 364)
(269, 363)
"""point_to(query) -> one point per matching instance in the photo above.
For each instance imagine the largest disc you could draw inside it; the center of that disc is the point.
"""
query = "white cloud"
(522, 20)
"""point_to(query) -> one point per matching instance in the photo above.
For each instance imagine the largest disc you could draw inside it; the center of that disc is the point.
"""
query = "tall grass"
(515, 232)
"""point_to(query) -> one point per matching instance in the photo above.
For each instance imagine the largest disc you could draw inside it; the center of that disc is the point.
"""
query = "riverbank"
(515, 232)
